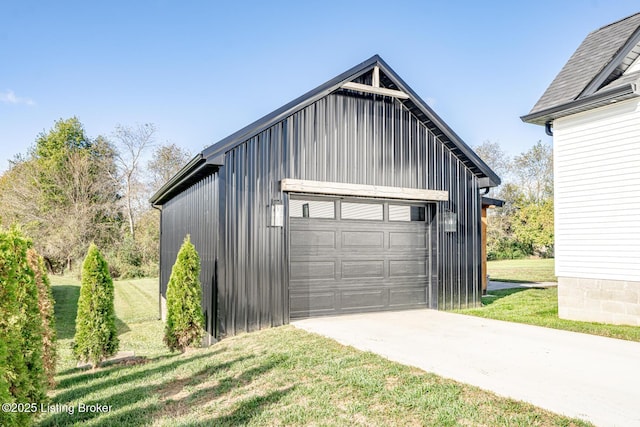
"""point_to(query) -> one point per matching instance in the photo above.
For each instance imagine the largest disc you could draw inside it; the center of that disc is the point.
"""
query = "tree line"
(70, 190)
(66, 195)
(524, 225)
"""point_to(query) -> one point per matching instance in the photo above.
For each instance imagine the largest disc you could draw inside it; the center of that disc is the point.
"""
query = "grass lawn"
(540, 307)
(136, 306)
(522, 270)
(279, 376)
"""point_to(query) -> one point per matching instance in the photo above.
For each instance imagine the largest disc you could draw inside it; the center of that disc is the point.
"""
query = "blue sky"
(200, 70)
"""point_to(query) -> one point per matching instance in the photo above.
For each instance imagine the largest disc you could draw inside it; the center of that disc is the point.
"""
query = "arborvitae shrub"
(185, 320)
(96, 335)
(10, 342)
(45, 306)
(6, 418)
(22, 377)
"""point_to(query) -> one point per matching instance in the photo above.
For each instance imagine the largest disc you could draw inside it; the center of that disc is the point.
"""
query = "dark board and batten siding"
(343, 137)
(194, 212)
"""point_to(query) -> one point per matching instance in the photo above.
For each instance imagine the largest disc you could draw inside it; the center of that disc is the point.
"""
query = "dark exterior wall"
(193, 211)
(252, 278)
(344, 137)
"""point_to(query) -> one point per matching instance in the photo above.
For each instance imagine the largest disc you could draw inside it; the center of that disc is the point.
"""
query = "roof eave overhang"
(488, 202)
(493, 180)
(290, 108)
(335, 84)
(198, 166)
(600, 99)
(213, 155)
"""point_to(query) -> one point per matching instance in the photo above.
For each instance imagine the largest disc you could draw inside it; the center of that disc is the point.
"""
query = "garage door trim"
(362, 190)
(314, 268)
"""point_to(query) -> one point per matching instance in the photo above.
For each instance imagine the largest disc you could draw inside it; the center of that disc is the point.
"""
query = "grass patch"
(522, 270)
(540, 307)
(136, 306)
(279, 376)
(282, 376)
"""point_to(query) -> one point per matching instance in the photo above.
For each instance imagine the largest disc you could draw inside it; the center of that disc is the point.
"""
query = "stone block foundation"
(595, 300)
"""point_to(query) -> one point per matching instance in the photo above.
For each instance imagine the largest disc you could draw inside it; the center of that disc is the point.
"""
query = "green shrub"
(6, 418)
(10, 342)
(507, 248)
(96, 335)
(127, 261)
(22, 377)
(45, 307)
(185, 320)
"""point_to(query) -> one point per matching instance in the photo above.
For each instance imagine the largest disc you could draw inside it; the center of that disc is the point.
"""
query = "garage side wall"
(344, 137)
(193, 211)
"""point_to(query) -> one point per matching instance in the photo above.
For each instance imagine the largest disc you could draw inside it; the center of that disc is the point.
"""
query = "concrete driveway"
(593, 378)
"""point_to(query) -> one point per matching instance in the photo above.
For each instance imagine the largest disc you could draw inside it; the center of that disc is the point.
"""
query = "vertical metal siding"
(344, 137)
(254, 286)
(194, 212)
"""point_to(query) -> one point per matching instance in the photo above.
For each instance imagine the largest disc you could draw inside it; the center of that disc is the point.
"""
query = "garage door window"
(311, 209)
(369, 211)
(406, 213)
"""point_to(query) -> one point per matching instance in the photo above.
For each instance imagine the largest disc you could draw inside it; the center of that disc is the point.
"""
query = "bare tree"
(167, 160)
(83, 209)
(491, 153)
(534, 172)
(132, 141)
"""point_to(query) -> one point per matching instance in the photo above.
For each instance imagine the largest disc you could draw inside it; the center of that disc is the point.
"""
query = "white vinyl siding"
(597, 193)
(635, 66)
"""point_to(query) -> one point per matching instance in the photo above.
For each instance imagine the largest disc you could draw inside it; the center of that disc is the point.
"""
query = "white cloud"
(9, 97)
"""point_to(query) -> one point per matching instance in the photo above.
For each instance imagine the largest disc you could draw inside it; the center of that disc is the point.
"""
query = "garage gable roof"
(595, 73)
(385, 82)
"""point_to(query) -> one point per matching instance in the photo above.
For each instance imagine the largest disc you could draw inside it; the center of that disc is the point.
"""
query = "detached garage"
(354, 197)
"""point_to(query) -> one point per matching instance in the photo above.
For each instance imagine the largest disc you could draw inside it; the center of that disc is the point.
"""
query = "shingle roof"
(593, 69)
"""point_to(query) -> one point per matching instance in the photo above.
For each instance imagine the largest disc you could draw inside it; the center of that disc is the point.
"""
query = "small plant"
(185, 320)
(96, 335)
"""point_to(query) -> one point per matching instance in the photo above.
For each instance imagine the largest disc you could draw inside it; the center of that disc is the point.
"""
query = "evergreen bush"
(22, 377)
(96, 335)
(185, 321)
(46, 309)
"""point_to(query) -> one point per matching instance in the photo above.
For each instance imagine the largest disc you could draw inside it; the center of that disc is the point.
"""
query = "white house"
(592, 109)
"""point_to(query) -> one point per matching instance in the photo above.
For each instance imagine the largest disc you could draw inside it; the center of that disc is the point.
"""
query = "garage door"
(349, 256)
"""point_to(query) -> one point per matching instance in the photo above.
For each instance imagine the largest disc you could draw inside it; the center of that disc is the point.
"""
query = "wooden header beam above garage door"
(360, 190)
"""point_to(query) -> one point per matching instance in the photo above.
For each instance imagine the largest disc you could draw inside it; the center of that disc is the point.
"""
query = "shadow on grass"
(121, 327)
(76, 389)
(493, 296)
(511, 280)
(66, 308)
(246, 410)
(122, 398)
(113, 368)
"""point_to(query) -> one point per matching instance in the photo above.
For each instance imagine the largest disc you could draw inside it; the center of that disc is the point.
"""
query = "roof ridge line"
(614, 23)
(447, 136)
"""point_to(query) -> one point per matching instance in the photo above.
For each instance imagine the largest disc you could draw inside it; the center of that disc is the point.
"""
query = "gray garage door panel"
(348, 266)
(363, 269)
